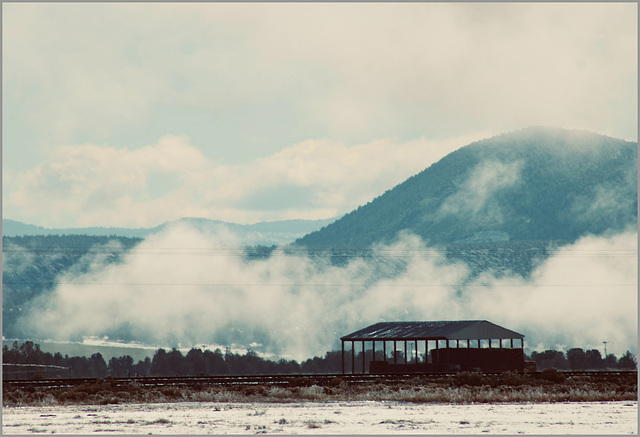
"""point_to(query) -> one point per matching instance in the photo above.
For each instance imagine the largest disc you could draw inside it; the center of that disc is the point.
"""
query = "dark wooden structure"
(446, 345)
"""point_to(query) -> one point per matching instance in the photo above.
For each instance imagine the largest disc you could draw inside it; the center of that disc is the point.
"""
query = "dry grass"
(462, 389)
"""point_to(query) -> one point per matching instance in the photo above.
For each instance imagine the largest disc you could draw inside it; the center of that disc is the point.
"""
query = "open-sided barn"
(433, 347)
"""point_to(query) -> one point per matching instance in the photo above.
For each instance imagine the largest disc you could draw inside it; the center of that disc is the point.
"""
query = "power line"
(211, 284)
(325, 252)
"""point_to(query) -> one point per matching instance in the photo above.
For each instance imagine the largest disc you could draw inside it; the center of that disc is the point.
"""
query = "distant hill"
(263, 233)
(520, 189)
(13, 228)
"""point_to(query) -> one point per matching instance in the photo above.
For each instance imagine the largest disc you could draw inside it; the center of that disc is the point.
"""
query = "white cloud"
(585, 294)
(93, 185)
(474, 198)
(351, 72)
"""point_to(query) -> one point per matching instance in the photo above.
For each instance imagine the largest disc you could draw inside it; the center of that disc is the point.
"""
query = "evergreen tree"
(627, 362)
(195, 362)
(97, 366)
(594, 360)
(577, 359)
(215, 363)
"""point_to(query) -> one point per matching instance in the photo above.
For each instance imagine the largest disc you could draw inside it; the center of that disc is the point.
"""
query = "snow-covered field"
(326, 418)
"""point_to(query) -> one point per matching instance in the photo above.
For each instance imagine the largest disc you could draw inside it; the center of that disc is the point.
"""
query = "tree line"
(579, 359)
(27, 360)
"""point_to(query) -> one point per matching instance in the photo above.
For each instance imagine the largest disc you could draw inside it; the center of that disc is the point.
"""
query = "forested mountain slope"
(518, 190)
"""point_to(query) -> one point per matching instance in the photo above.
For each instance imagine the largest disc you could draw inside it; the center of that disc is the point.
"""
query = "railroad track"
(289, 379)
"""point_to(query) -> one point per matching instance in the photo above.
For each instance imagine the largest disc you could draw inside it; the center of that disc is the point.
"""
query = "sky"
(132, 115)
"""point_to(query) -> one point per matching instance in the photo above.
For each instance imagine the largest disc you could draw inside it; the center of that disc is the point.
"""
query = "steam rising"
(184, 288)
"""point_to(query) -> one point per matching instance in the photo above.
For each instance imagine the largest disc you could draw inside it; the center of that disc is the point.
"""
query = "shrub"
(89, 388)
(254, 390)
(552, 374)
(300, 382)
(171, 392)
(313, 392)
(278, 393)
(335, 382)
(513, 378)
(73, 396)
(469, 378)
(312, 424)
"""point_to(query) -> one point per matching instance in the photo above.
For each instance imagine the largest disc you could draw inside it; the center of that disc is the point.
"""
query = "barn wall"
(487, 359)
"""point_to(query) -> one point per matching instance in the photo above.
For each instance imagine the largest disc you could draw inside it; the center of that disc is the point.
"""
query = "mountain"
(263, 233)
(13, 228)
(520, 189)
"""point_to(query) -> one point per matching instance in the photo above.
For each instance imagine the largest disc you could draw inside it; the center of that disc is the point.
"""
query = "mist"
(184, 288)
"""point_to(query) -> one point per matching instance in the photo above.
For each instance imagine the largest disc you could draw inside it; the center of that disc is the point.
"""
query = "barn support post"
(468, 351)
(374, 351)
(353, 357)
(426, 351)
(488, 362)
(384, 350)
(416, 345)
(395, 352)
(343, 357)
(405, 352)
(363, 357)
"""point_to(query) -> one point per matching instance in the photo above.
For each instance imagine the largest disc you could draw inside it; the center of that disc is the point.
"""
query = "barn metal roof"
(451, 330)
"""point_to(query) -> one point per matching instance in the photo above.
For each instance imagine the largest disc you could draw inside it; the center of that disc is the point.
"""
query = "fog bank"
(183, 288)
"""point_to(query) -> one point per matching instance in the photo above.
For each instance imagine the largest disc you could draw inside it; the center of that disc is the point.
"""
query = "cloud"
(94, 185)
(585, 294)
(286, 72)
(611, 205)
(474, 198)
(99, 184)
(183, 288)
